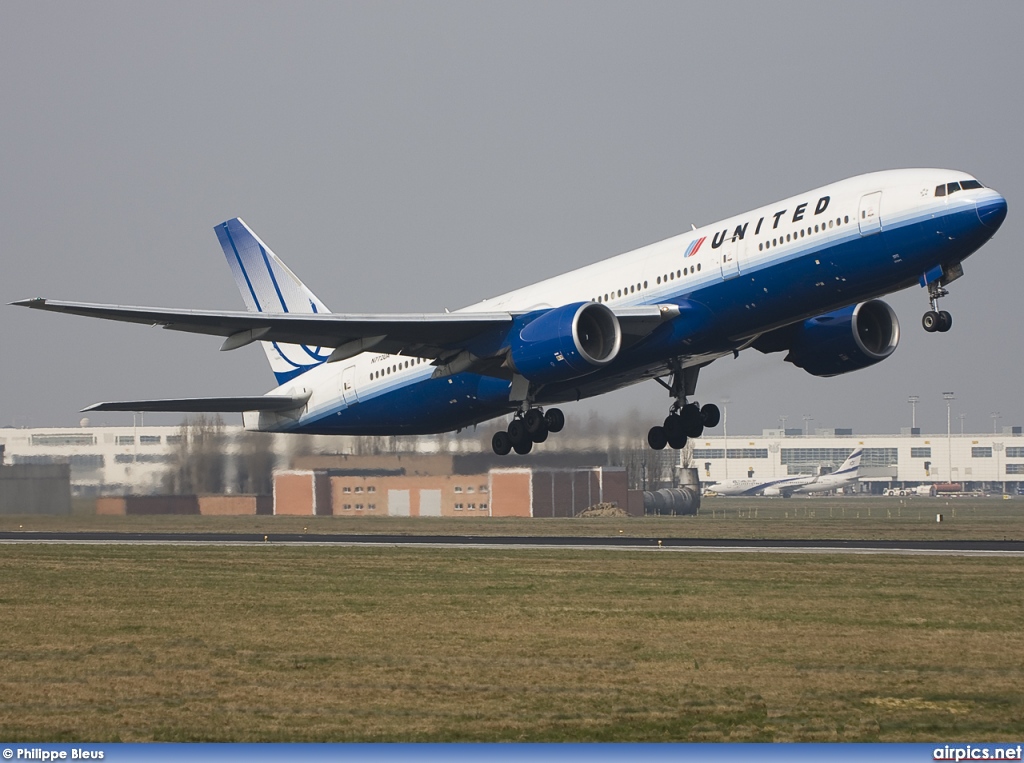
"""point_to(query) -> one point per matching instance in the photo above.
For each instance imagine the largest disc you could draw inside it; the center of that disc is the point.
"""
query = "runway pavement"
(735, 545)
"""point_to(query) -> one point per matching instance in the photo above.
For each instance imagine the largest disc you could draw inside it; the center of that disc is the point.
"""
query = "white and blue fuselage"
(735, 280)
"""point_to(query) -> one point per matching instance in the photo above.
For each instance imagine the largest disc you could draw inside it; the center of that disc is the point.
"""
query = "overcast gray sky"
(416, 156)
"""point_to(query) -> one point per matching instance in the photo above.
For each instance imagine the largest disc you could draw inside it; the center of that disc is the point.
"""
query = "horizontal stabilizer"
(207, 404)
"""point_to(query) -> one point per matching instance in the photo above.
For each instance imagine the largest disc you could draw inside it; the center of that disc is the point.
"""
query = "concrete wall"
(31, 489)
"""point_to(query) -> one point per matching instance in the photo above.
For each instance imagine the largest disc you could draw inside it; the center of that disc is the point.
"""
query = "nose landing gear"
(935, 319)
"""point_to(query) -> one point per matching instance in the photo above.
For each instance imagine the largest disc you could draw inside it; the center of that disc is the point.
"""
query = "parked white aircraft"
(801, 275)
(845, 475)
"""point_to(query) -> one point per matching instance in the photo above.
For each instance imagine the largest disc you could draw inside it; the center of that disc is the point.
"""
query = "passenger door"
(869, 216)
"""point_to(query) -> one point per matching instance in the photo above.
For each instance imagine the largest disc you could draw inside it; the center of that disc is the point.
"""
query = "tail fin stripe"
(241, 266)
(273, 279)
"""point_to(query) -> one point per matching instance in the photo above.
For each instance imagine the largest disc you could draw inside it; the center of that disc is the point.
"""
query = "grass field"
(722, 517)
(275, 643)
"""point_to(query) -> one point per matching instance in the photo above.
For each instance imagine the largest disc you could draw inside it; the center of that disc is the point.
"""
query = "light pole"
(962, 416)
(948, 397)
(913, 411)
(807, 418)
(725, 432)
(996, 415)
(783, 420)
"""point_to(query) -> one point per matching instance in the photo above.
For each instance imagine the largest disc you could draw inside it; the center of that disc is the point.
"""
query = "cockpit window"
(963, 185)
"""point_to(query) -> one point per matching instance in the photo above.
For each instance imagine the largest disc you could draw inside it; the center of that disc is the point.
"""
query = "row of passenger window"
(632, 289)
(395, 368)
(808, 231)
(944, 189)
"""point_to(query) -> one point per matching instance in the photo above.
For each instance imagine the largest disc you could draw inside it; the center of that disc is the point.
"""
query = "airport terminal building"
(139, 459)
(983, 462)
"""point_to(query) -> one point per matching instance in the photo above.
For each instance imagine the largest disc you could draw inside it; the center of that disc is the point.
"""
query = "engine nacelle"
(845, 340)
(566, 342)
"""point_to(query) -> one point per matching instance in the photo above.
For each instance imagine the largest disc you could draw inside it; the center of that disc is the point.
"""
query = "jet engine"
(565, 342)
(835, 343)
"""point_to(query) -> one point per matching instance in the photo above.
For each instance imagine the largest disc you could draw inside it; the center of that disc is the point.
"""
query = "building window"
(920, 452)
(359, 488)
(981, 452)
(346, 489)
(1015, 468)
(483, 488)
(483, 507)
(174, 439)
(458, 507)
(371, 489)
(458, 489)
(63, 439)
(1015, 452)
(124, 439)
(149, 439)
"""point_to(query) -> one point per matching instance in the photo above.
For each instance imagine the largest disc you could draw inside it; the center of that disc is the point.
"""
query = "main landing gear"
(685, 420)
(935, 319)
(525, 429)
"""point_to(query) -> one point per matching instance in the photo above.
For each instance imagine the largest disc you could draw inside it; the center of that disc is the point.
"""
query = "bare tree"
(199, 467)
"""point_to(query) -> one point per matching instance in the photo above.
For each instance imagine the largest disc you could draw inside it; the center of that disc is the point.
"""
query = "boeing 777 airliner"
(800, 276)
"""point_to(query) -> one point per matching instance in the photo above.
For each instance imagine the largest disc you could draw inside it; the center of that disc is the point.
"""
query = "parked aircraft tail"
(852, 464)
(267, 285)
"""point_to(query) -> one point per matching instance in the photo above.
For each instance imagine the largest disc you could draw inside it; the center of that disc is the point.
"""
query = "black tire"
(711, 415)
(678, 442)
(540, 435)
(534, 421)
(657, 438)
(930, 321)
(673, 426)
(693, 424)
(555, 419)
(501, 443)
(517, 433)
(522, 448)
(945, 321)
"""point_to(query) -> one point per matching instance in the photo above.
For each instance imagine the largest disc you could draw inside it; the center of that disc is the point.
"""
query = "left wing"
(425, 335)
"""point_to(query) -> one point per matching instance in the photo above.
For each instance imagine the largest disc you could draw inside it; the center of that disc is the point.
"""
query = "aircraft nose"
(992, 212)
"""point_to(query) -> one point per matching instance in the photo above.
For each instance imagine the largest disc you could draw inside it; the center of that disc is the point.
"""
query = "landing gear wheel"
(540, 435)
(711, 415)
(693, 424)
(673, 427)
(501, 443)
(657, 438)
(945, 321)
(522, 448)
(678, 442)
(517, 433)
(555, 420)
(930, 321)
(534, 421)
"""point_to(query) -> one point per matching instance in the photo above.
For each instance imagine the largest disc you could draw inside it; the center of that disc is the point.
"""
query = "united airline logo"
(695, 246)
